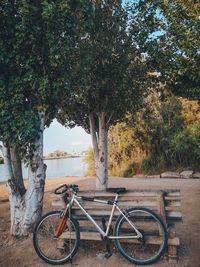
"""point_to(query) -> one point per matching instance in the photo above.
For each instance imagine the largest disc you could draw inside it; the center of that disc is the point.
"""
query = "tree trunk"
(14, 195)
(36, 182)
(17, 169)
(27, 208)
(100, 150)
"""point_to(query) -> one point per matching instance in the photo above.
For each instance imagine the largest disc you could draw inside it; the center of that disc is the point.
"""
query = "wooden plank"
(161, 207)
(170, 213)
(172, 203)
(161, 210)
(97, 206)
(97, 194)
(173, 208)
(124, 204)
(96, 212)
(178, 198)
(57, 203)
(132, 194)
(174, 214)
(175, 193)
(96, 236)
(169, 206)
(170, 194)
(173, 218)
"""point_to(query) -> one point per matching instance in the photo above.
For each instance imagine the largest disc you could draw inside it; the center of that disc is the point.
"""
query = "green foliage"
(89, 160)
(165, 123)
(187, 144)
(165, 135)
(34, 37)
(178, 57)
(108, 68)
(163, 120)
(124, 148)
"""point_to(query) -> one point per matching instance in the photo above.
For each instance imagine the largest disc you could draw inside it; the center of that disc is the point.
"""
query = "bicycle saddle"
(116, 190)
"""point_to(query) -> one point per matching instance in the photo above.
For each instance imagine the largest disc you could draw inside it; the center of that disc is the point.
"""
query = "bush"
(187, 146)
(164, 136)
(89, 160)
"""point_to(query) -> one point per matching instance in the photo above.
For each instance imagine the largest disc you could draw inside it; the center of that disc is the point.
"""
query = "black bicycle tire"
(130, 258)
(37, 249)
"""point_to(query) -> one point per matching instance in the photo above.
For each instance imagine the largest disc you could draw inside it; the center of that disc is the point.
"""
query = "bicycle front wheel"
(151, 246)
(56, 250)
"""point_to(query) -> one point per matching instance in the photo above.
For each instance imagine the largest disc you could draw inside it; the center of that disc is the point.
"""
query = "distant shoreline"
(65, 157)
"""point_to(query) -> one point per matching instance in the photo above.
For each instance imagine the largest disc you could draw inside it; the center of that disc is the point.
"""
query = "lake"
(56, 167)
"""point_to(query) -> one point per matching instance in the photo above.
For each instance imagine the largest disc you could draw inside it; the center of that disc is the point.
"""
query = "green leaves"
(108, 72)
(34, 40)
(179, 57)
(187, 143)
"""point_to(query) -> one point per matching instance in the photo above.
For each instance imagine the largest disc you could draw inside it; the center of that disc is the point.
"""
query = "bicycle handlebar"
(65, 187)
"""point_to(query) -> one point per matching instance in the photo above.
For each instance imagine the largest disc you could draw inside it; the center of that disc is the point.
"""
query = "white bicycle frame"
(75, 199)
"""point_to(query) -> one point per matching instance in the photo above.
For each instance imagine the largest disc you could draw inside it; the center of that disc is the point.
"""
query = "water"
(56, 167)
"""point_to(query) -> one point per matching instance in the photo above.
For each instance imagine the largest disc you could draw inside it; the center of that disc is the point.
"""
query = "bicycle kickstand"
(106, 241)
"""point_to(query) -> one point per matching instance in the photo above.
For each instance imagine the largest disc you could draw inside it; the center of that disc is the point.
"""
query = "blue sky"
(57, 137)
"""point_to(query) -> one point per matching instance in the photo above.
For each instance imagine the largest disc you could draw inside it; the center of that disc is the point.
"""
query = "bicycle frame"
(105, 234)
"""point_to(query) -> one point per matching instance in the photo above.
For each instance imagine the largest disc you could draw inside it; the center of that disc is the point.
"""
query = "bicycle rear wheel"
(56, 250)
(151, 246)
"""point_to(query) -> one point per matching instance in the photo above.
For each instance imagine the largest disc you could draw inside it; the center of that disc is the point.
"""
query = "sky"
(57, 137)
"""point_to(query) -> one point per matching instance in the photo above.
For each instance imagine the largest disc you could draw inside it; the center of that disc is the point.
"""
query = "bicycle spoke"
(51, 249)
(143, 250)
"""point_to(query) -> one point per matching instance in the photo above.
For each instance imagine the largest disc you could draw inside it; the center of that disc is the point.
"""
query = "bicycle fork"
(62, 224)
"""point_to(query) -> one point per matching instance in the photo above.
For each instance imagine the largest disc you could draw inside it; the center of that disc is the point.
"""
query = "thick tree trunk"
(27, 208)
(36, 182)
(15, 197)
(100, 150)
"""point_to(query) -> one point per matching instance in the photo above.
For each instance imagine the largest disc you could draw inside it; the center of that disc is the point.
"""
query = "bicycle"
(56, 236)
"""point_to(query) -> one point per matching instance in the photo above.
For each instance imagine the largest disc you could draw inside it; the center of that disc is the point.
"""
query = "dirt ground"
(20, 253)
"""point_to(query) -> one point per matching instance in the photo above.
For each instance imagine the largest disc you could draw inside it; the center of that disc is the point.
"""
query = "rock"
(170, 175)
(196, 175)
(186, 174)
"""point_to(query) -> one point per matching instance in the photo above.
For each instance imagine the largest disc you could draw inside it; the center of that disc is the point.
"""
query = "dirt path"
(20, 253)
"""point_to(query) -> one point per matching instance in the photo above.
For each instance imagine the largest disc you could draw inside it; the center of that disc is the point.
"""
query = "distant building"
(57, 154)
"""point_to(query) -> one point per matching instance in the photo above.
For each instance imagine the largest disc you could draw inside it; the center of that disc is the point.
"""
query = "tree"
(108, 72)
(33, 68)
(163, 135)
(178, 47)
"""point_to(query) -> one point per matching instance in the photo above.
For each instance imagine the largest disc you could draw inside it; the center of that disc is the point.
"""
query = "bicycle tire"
(146, 226)
(49, 233)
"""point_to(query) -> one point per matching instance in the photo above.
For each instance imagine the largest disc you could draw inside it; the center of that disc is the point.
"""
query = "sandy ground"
(20, 253)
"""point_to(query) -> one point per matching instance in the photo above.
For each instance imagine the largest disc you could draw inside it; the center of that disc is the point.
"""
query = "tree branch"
(109, 119)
